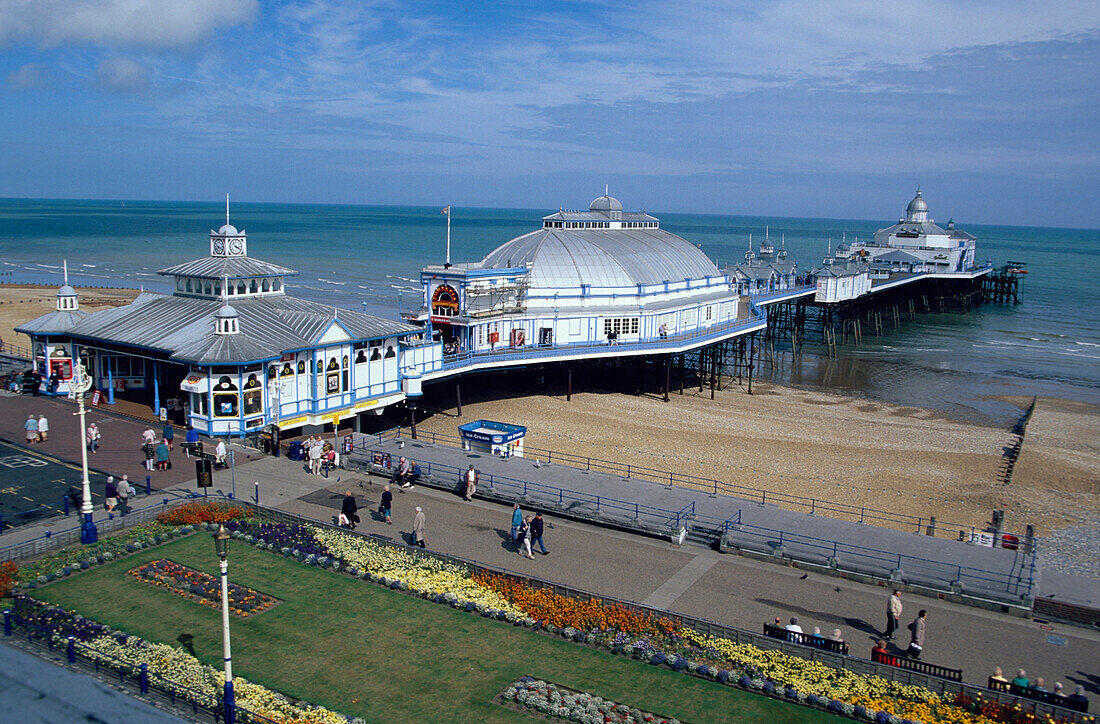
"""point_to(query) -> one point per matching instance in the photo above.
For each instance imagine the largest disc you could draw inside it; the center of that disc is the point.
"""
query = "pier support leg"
(668, 375)
(681, 373)
(458, 398)
(569, 385)
(752, 348)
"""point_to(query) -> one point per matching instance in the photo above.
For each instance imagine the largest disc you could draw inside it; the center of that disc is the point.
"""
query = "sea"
(975, 366)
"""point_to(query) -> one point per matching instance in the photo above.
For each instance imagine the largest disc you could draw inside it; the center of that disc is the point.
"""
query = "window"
(253, 287)
(391, 351)
(241, 288)
(301, 367)
(360, 356)
(200, 403)
(267, 285)
(276, 284)
(272, 371)
(710, 311)
(188, 285)
(225, 404)
(320, 366)
(287, 371)
(253, 402)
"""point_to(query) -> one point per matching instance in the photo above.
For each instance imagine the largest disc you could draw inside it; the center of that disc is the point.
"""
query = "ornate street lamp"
(80, 383)
(221, 547)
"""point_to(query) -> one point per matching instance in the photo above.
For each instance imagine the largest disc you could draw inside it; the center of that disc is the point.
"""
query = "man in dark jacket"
(348, 509)
(536, 533)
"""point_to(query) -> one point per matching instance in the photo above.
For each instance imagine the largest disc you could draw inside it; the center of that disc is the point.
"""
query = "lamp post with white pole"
(221, 546)
(80, 383)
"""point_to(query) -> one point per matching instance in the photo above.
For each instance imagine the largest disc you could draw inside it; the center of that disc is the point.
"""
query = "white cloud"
(30, 75)
(122, 75)
(119, 23)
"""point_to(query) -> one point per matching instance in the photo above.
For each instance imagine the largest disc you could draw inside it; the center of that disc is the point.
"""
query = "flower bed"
(170, 668)
(196, 513)
(202, 587)
(557, 701)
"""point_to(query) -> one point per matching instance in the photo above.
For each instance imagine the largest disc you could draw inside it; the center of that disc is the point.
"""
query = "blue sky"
(774, 107)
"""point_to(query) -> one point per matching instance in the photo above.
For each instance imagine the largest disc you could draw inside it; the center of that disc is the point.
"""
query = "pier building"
(765, 272)
(595, 283)
(229, 351)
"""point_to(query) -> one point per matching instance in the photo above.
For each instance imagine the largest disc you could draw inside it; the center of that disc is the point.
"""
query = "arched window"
(376, 354)
(254, 287)
(301, 367)
(391, 351)
(361, 356)
(320, 366)
(241, 288)
(287, 371)
(267, 285)
(345, 361)
(188, 285)
(276, 284)
(332, 364)
(272, 371)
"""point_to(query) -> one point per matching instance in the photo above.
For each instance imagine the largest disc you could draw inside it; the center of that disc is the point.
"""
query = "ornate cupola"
(783, 249)
(66, 295)
(226, 320)
(766, 249)
(227, 241)
(750, 255)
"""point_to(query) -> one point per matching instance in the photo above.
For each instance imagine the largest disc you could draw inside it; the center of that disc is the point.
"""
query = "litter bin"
(294, 450)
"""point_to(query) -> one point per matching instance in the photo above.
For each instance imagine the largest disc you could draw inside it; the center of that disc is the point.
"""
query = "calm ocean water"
(369, 257)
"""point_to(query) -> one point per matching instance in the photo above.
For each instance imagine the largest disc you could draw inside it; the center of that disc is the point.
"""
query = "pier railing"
(1014, 586)
(789, 501)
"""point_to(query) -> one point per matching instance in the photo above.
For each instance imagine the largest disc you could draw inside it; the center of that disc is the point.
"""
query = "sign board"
(982, 539)
(163, 414)
(204, 473)
(95, 398)
(380, 459)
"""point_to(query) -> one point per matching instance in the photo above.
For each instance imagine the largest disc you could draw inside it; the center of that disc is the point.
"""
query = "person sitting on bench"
(403, 473)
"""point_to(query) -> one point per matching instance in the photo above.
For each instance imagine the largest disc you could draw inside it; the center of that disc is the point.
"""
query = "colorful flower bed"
(202, 587)
(556, 701)
(77, 558)
(170, 668)
(196, 513)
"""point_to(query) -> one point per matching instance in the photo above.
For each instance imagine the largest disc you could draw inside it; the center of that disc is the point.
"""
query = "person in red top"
(880, 653)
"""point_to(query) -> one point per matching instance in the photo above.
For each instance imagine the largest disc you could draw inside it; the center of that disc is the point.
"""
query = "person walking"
(418, 528)
(93, 438)
(125, 492)
(31, 426)
(349, 511)
(536, 533)
(219, 455)
(893, 615)
(110, 494)
(386, 507)
(524, 535)
(315, 451)
(150, 451)
(471, 477)
(916, 635)
(517, 521)
(163, 451)
(168, 433)
(43, 428)
(191, 438)
(149, 436)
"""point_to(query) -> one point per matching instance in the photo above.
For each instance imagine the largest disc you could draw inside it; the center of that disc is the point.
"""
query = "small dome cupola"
(750, 255)
(917, 210)
(226, 320)
(66, 295)
(607, 204)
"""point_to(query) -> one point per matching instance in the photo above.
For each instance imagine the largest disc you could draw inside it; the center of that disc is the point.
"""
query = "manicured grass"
(363, 650)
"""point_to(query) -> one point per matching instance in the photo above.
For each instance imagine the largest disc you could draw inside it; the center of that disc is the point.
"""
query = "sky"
(772, 107)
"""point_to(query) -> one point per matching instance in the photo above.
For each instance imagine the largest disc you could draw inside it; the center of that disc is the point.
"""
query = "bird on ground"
(804, 576)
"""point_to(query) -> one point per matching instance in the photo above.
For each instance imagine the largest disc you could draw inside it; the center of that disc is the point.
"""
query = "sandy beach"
(21, 303)
(829, 447)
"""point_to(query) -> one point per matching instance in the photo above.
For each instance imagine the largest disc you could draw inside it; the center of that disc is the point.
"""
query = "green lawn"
(363, 650)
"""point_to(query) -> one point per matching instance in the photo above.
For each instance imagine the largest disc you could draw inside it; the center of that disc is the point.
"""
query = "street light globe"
(221, 541)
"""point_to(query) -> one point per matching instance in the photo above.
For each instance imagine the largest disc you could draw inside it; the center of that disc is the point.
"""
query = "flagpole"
(448, 235)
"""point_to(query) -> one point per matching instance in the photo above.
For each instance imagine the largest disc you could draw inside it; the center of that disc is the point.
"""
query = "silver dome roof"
(917, 204)
(605, 203)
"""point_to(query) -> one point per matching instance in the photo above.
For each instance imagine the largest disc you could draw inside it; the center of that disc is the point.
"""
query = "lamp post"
(221, 546)
(80, 383)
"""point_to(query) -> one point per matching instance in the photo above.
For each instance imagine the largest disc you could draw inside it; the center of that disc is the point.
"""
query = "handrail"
(789, 501)
(668, 521)
(817, 642)
(923, 667)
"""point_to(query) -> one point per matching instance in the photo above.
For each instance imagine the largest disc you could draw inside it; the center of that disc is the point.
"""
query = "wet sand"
(830, 447)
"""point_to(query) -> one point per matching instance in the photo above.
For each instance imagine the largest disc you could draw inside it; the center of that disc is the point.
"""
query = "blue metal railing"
(135, 674)
(818, 550)
(788, 501)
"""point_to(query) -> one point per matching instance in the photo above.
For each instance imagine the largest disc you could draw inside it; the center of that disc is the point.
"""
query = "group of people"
(916, 629)
(1038, 686)
(37, 429)
(526, 531)
(349, 515)
(158, 453)
(116, 496)
(319, 454)
(813, 636)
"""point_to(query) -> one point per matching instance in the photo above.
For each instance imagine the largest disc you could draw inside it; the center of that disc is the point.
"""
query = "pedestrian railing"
(923, 667)
(1046, 697)
(87, 657)
(788, 501)
(1016, 584)
(805, 639)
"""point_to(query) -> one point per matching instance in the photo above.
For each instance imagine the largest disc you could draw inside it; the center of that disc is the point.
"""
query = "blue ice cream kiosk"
(495, 438)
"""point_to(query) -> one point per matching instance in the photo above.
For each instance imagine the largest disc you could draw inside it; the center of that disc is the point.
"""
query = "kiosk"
(495, 438)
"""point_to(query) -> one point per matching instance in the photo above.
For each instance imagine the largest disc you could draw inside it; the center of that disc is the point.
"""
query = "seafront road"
(690, 579)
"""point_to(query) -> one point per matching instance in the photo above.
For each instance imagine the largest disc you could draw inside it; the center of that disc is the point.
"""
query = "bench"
(1046, 697)
(805, 639)
(921, 667)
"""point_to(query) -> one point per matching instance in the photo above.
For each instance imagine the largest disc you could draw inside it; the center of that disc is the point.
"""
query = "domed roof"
(225, 312)
(228, 230)
(605, 203)
(917, 204)
(623, 258)
(66, 291)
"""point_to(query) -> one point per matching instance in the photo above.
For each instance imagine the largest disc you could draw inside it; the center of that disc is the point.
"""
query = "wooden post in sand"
(668, 374)
(458, 398)
(569, 386)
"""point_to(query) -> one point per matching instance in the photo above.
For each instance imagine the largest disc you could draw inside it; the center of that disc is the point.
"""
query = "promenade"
(691, 579)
